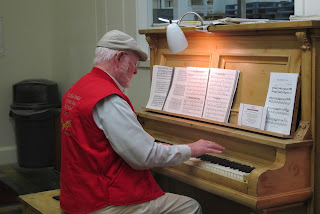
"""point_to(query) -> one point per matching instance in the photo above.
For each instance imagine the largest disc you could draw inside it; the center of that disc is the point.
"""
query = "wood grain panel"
(178, 60)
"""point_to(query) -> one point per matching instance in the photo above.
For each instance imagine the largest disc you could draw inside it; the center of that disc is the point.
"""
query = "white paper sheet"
(188, 91)
(221, 88)
(280, 102)
(161, 81)
(252, 116)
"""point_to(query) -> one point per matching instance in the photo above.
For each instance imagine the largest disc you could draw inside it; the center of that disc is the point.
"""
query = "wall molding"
(1, 37)
(8, 154)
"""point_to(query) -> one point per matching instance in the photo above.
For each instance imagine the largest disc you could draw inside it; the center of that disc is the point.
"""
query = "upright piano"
(273, 171)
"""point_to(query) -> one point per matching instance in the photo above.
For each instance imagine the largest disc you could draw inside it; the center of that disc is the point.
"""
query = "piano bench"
(41, 202)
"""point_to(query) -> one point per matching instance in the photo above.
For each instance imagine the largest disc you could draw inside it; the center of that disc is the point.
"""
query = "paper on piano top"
(280, 102)
(161, 81)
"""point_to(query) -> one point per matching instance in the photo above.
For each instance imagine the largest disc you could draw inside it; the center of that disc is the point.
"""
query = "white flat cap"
(118, 40)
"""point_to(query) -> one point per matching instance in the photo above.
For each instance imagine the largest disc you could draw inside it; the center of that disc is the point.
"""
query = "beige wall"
(27, 39)
(55, 40)
(121, 15)
(75, 28)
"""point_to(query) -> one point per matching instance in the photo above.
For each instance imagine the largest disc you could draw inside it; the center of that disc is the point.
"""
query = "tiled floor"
(25, 181)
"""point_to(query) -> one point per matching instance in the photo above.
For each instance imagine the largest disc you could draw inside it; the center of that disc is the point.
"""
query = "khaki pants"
(166, 204)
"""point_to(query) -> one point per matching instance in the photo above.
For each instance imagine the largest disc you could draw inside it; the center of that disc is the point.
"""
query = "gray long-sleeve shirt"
(114, 117)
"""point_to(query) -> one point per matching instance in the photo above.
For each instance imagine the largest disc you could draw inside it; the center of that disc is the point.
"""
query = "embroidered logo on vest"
(65, 124)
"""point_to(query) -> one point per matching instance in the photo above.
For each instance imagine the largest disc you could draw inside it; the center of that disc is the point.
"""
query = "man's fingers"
(214, 151)
(205, 146)
(215, 145)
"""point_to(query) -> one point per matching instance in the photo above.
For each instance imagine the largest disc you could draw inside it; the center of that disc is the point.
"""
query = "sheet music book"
(280, 102)
(221, 89)
(193, 91)
(188, 91)
(161, 81)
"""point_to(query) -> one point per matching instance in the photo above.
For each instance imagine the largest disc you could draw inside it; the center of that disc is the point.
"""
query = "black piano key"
(226, 163)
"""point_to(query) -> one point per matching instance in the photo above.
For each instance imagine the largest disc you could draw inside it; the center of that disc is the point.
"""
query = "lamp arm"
(201, 20)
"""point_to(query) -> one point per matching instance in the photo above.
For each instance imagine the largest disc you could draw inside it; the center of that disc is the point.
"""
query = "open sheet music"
(161, 81)
(280, 102)
(188, 91)
(221, 89)
(199, 92)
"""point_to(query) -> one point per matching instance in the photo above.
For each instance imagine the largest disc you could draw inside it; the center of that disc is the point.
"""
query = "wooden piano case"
(286, 172)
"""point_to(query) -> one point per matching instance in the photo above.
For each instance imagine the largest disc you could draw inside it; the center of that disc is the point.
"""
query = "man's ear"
(118, 57)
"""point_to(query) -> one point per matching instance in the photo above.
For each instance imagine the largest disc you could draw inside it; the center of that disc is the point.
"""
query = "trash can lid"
(36, 81)
(35, 94)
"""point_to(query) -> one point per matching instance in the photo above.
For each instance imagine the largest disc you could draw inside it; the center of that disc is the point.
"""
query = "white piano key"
(216, 168)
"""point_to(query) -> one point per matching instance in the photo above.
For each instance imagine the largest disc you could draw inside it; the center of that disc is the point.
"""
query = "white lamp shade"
(176, 39)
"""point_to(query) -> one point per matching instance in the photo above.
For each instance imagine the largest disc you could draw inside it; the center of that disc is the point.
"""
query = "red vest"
(93, 175)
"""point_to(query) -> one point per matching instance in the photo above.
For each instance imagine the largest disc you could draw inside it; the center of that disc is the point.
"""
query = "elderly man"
(105, 152)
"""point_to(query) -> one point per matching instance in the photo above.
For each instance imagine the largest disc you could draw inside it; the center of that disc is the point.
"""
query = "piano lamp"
(175, 37)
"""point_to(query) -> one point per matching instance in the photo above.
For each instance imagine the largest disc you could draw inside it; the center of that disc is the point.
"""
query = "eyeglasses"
(137, 63)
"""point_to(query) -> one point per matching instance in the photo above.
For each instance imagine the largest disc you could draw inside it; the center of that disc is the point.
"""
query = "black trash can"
(35, 102)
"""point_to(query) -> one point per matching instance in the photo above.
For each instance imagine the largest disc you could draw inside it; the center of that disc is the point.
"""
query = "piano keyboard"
(220, 166)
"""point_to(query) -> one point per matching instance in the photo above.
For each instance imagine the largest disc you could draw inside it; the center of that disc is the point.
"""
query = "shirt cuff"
(185, 150)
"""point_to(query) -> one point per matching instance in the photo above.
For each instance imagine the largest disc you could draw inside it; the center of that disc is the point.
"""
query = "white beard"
(123, 79)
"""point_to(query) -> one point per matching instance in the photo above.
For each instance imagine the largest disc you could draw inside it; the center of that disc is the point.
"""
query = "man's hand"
(204, 146)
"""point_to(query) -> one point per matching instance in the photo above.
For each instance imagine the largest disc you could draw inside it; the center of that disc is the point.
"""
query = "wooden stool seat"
(41, 202)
